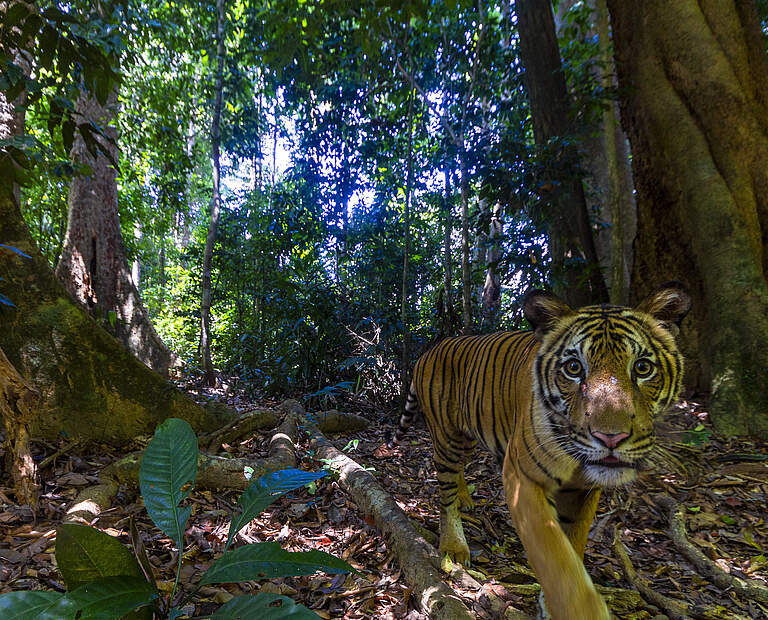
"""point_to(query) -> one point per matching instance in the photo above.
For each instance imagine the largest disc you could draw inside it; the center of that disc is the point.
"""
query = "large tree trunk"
(90, 386)
(604, 152)
(93, 265)
(571, 241)
(612, 164)
(694, 82)
(209, 375)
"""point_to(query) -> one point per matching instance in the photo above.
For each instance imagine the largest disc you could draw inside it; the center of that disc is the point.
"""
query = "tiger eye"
(643, 367)
(573, 368)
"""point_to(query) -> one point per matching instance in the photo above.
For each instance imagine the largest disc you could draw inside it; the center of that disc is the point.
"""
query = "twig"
(63, 450)
(710, 570)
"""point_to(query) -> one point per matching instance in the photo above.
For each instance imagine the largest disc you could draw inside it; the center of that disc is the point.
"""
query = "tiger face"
(602, 373)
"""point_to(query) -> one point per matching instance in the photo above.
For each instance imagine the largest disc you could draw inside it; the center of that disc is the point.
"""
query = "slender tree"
(694, 85)
(405, 360)
(209, 375)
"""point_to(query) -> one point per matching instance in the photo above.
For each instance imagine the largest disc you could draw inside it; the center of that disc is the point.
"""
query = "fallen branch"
(419, 560)
(258, 420)
(216, 472)
(18, 405)
(677, 610)
(705, 566)
(333, 421)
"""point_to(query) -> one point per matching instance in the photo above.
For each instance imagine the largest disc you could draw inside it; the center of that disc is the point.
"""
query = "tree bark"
(571, 241)
(491, 290)
(694, 84)
(209, 374)
(18, 406)
(466, 270)
(93, 265)
(447, 258)
(404, 359)
(613, 158)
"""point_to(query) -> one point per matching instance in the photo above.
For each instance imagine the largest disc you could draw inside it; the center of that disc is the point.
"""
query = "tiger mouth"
(612, 461)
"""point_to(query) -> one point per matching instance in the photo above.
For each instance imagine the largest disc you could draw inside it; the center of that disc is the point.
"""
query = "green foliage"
(168, 464)
(264, 607)
(71, 48)
(105, 581)
(85, 554)
(307, 267)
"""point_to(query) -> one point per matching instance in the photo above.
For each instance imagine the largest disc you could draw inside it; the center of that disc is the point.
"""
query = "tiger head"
(601, 374)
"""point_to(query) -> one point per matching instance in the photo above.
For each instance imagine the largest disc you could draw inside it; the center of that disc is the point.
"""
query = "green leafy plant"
(106, 581)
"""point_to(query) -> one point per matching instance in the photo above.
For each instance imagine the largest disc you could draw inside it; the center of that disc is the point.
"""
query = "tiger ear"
(542, 309)
(669, 303)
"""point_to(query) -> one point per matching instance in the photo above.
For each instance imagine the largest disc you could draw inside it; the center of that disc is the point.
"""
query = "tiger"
(566, 408)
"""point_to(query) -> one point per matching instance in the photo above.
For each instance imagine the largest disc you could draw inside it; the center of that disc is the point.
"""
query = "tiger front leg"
(567, 587)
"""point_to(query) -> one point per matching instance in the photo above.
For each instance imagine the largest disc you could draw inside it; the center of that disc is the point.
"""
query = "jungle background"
(207, 208)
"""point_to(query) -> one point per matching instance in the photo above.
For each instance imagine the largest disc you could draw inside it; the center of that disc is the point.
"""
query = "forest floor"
(723, 485)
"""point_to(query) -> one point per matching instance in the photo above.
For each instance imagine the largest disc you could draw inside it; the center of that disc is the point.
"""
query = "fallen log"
(420, 561)
(706, 567)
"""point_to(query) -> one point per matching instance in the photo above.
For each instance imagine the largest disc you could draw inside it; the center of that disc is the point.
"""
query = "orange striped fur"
(566, 409)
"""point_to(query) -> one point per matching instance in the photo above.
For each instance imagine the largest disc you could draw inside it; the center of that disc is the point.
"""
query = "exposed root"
(333, 421)
(677, 610)
(419, 560)
(257, 420)
(215, 472)
(18, 406)
(706, 567)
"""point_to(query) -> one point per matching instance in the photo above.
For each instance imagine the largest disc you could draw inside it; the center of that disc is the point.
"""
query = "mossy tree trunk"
(694, 83)
(93, 264)
(90, 385)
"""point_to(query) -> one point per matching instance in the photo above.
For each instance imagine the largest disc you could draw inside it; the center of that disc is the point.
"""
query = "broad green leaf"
(110, 598)
(169, 462)
(85, 554)
(264, 491)
(263, 607)
(269, 560)
(36, 605)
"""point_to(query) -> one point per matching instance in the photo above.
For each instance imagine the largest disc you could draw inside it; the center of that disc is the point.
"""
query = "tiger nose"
(611, 440)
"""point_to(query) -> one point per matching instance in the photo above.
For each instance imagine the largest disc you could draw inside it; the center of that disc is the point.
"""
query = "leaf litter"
(722, 483)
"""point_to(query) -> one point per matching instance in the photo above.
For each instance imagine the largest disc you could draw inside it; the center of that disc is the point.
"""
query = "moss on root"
(91, 387)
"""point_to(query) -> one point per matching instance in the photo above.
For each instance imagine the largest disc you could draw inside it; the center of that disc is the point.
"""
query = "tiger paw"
(465, 500)
(455, 549)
